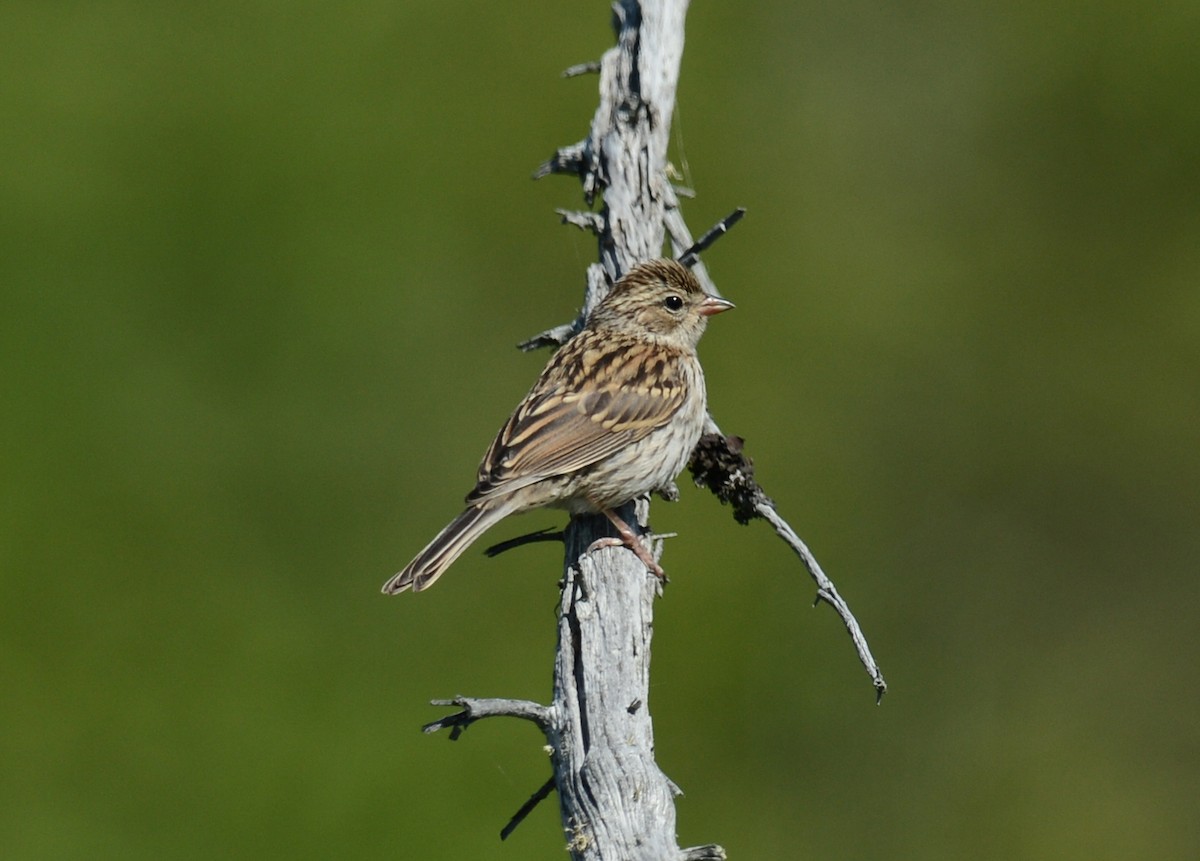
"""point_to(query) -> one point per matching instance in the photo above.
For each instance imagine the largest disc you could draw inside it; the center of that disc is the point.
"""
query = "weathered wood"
(615, 801)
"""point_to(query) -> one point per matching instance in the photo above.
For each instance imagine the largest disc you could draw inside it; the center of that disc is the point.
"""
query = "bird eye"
(673, 302)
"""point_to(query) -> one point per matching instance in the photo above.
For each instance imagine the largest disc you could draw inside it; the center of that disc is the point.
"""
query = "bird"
(614, 415)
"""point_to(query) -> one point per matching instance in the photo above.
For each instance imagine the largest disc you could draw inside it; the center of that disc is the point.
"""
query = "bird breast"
(648, 464)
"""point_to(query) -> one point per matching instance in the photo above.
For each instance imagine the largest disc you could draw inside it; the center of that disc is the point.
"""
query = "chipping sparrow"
(615, 414)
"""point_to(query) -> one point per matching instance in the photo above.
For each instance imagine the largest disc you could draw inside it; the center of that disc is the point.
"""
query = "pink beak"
(714, 305)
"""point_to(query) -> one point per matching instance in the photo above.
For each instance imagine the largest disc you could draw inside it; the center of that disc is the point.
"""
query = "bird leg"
(629, 539)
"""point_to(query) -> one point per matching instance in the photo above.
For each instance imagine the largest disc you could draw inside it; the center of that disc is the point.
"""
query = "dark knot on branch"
(719, 464)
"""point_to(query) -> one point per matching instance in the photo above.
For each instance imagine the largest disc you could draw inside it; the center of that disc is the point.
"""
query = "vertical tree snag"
(615, 801)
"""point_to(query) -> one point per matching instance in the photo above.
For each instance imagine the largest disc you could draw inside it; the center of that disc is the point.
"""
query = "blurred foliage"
(254, 256)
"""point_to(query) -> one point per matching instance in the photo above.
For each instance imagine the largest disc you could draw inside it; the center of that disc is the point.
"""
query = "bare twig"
(583, 220)
(711, 852)
(555, 337)
(568, 159)
(718, 230)
(719, 464)
(477, 709)
(826, 592)
(592, 67)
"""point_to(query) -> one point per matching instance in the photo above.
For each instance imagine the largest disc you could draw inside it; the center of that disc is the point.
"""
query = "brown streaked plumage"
(615, 414)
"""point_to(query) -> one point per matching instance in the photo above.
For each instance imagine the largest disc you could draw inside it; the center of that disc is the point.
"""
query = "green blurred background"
(254, 256)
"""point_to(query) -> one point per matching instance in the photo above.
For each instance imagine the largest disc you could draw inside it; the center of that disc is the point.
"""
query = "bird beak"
(714, 305)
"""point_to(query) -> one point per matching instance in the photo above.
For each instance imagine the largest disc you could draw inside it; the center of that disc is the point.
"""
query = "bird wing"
(562, 427)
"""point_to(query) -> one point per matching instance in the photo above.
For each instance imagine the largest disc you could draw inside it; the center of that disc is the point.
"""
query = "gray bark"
(616, 803)
(615, 800)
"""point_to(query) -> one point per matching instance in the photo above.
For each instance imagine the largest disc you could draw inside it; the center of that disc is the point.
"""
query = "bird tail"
(444, 549)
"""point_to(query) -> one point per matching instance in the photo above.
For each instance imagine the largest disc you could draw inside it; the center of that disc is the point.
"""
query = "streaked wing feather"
(558, 431)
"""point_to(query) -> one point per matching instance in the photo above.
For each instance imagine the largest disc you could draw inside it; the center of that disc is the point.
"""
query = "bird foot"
(638, 548)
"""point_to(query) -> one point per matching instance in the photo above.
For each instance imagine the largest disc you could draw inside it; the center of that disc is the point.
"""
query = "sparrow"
(614, 415)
